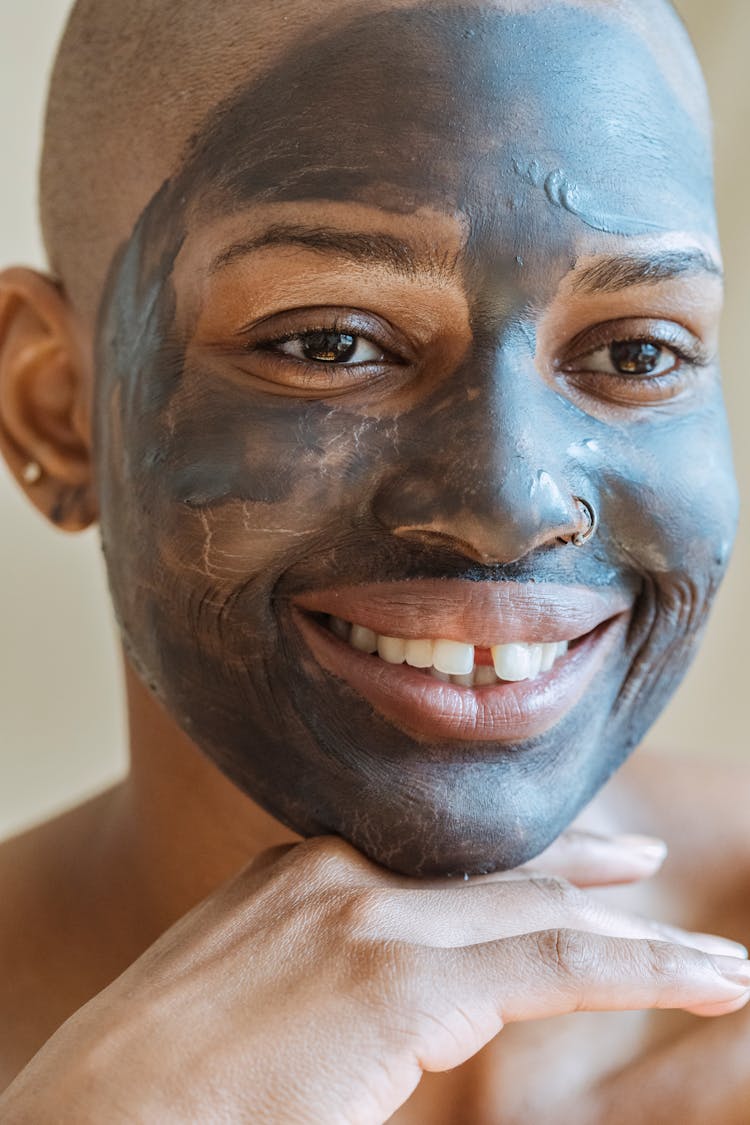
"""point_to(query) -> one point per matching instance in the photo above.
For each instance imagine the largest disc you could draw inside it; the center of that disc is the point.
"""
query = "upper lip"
(478, 613)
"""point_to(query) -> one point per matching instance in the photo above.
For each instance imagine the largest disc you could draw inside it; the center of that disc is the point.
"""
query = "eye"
(636, 362)
(329, 349)
(631, 358)
(328, 346)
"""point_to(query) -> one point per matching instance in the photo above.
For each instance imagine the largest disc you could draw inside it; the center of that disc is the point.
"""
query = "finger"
(553, 973)
(583, 858)
(709, 943)
(595, 973)
(587, 859)
(461, 914)
(488, 911)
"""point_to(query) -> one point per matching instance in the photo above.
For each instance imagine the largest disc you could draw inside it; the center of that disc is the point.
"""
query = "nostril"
(442, 543)
(443, 540)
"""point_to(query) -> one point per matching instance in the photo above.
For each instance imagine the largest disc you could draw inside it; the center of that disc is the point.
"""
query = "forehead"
(469, 108)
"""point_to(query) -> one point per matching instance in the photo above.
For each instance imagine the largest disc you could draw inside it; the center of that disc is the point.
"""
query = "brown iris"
(635, 357)
(328, 347)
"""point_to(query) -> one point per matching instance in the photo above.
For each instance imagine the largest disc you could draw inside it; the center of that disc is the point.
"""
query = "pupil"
(634, 357)
(328, 347)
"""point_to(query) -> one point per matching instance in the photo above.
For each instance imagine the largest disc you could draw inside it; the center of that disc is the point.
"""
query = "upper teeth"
(516, 661)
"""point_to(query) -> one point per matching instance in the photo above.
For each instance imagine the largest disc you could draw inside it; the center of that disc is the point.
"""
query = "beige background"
(61, 724)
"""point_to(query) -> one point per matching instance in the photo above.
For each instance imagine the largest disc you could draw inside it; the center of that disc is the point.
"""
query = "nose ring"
(582, 537)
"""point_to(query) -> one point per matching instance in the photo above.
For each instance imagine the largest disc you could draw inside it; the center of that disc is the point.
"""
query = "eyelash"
(629, 389)
(308, 371)
(329, 330)
(690, 358)
(675, 339)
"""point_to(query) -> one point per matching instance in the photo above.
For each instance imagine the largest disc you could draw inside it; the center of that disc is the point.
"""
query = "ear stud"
(32, 472)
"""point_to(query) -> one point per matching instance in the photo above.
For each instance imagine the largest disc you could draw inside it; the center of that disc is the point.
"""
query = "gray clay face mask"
(372, 332)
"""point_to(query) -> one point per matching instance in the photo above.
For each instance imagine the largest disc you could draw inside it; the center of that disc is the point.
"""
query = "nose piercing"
(582, 537)
(32, 472)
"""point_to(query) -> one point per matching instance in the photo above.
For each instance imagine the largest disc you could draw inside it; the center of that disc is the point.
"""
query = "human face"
(359, 356)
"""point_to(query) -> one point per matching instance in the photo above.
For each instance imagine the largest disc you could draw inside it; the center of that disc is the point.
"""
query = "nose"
(484, 469)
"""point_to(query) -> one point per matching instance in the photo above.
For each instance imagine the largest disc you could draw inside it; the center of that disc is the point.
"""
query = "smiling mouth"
(539, 681)
(454, 662)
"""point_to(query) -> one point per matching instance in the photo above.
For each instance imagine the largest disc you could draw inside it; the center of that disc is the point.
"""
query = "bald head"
(134, 82)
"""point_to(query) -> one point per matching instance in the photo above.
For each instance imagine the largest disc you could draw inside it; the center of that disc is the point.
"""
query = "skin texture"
(114, 64)
(419, 979)
(223, 493)
(460, 460)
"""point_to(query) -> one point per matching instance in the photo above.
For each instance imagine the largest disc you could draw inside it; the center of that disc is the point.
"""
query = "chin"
(443, 818)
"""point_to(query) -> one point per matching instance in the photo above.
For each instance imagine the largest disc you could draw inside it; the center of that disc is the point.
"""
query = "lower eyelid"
(632, 392)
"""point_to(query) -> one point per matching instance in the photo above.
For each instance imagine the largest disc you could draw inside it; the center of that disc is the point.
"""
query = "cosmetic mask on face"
(371, 332)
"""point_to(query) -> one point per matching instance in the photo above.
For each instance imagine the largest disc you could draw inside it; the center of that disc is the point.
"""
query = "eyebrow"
(610, 275)
(365, 246)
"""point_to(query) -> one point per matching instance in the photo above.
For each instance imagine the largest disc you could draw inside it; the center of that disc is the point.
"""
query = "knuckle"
(666, 963)
(326, 858)
(558, 893)
(569, 953)
(362, 912)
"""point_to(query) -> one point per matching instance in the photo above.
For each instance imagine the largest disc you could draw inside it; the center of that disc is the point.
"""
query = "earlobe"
(44, 395)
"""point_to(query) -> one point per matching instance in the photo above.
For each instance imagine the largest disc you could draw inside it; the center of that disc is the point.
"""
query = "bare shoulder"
(26, 929)
(44, 951)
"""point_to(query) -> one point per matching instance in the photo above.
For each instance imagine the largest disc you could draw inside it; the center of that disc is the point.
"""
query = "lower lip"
(428, 708)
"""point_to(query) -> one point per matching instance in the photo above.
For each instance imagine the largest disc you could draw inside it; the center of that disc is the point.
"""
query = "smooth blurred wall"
(61, 708)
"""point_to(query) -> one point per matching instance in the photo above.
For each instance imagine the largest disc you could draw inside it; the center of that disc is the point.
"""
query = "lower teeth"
(482, 676)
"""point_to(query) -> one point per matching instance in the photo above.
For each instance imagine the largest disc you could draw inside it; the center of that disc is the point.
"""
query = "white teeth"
(392, 650)
(453, 657)
(516, 662)
(512, 662)
(535, 661)
(484, 674)
(363, 639)
(453, 660)
(419, 654)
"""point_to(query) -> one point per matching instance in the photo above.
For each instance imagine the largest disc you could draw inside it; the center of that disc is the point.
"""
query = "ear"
(46, 384)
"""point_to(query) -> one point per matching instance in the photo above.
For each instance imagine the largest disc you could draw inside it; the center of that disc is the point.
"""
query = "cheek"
(672, 498)
(237, 487)
(671, 509)
(292, 462)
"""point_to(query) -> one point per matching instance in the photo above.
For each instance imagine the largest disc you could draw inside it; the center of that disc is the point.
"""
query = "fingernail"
(733, 969)
(648, 846)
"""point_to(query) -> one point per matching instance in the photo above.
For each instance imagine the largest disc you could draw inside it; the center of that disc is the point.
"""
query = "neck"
(183, 827)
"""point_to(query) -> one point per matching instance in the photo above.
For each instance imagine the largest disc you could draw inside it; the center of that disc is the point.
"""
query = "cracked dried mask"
(410, 292)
